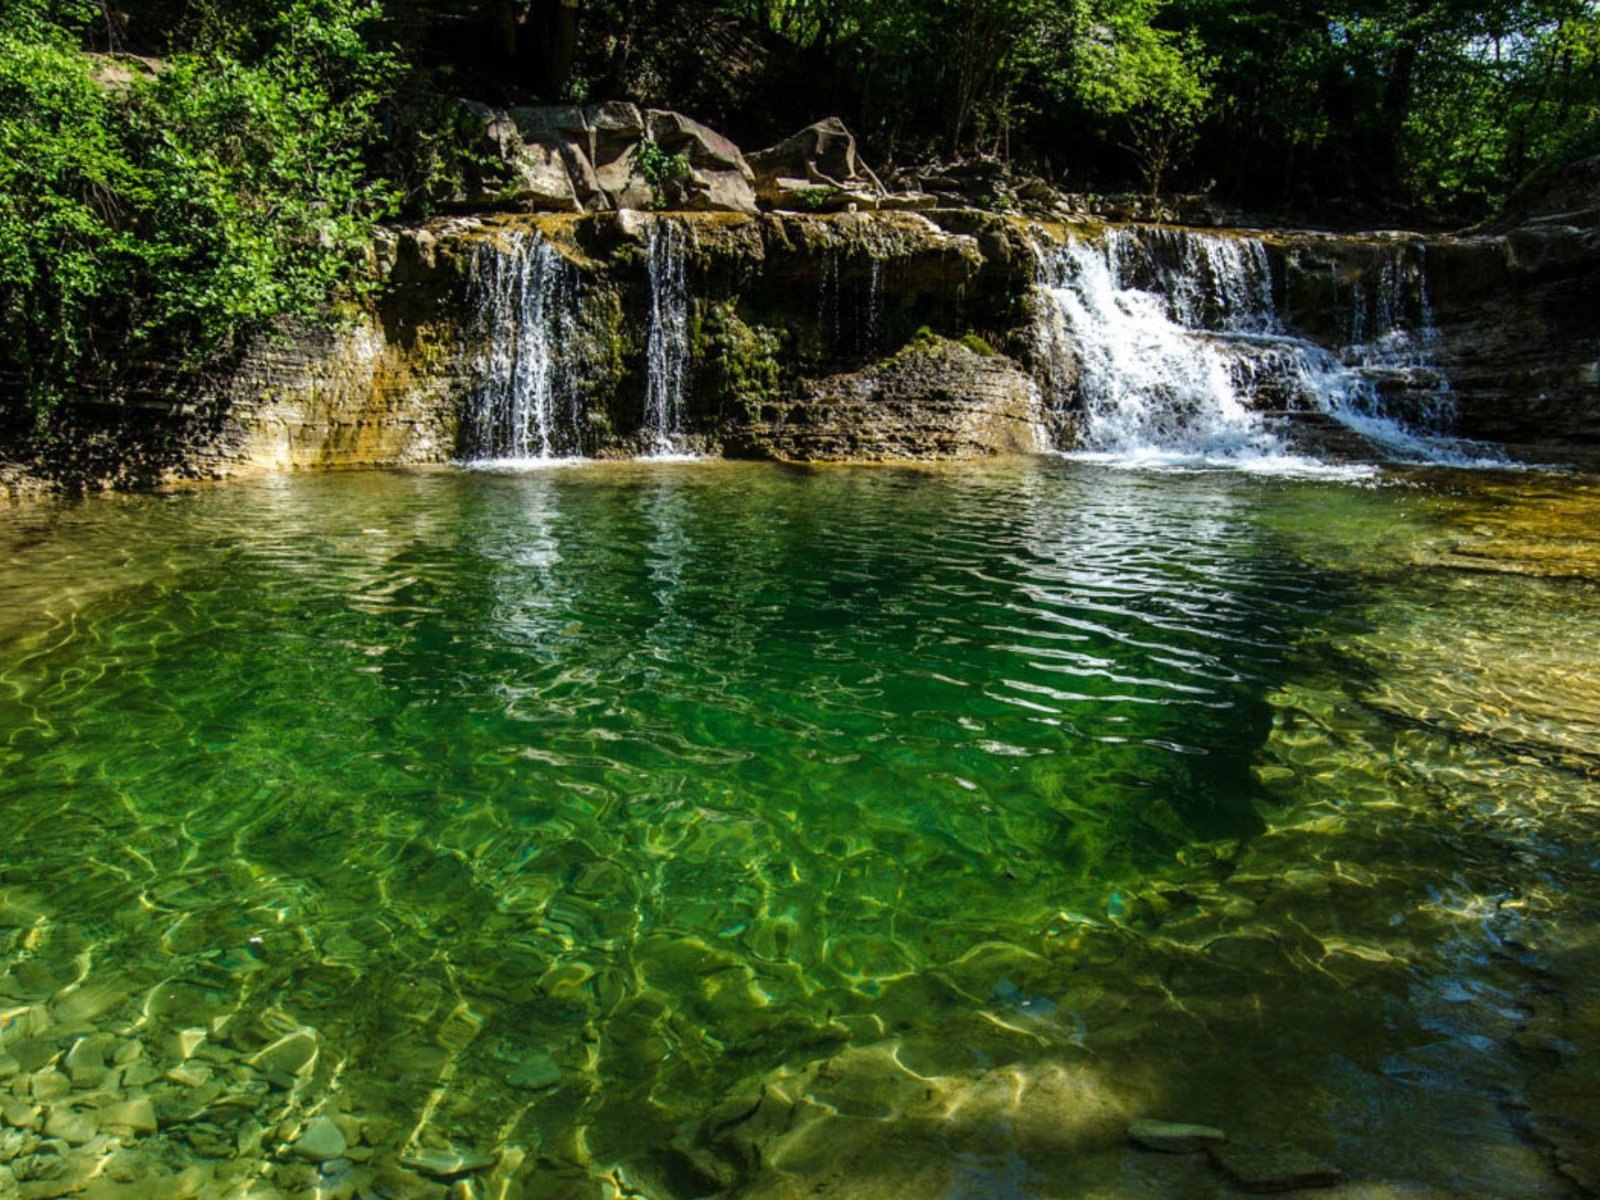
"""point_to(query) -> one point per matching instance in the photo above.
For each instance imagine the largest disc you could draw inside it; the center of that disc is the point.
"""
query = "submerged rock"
(74, 1128)
(1274, 1168)
(1172, 1138)
(49, 1085)
(292, 1055)
(320, 1141)
(138, 1115)
(445, 1163)
(535, 1073)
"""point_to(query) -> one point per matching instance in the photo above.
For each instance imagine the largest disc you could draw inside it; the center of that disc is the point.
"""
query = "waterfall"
(523, 406)
(667, 343)
(1164, 343)
(1144, 381)
(1393, 345)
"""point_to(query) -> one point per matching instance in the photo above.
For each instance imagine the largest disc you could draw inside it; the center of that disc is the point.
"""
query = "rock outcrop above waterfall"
(567, 158)
(818, 168)
(571, 158)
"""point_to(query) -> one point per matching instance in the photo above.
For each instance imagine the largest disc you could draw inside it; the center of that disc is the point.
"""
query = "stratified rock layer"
(808, 336)
(935, 399)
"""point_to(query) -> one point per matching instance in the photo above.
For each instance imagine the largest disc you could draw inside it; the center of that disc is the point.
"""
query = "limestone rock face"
(934, 400)
(1516, 334)
(719, 179)
(803, 336)
(820, 156)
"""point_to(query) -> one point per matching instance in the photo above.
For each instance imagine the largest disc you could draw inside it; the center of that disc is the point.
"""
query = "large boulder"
(818, 162)
(563, 158)
(616, 130)
(544, 167)
(717, 178)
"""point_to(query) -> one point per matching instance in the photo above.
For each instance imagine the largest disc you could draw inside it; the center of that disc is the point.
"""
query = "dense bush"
(157, 212)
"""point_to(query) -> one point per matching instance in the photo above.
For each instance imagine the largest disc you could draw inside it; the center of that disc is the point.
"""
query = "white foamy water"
(667, 339)
(523, 405)
(1163, 342)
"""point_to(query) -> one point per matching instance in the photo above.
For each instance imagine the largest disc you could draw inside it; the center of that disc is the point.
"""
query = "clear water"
(971, 812)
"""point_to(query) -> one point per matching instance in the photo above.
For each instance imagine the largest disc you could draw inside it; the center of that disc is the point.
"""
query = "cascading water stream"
(526, 295)
(1144, 382)
(667, 341)
(1164, 342)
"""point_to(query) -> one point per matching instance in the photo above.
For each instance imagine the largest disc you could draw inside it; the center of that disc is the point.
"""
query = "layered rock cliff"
(819, 336)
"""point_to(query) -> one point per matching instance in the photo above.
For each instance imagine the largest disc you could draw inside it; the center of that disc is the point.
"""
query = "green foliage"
(160, 217)
(663, 172)
(63, 247)
(817, 199)
(1150, 81)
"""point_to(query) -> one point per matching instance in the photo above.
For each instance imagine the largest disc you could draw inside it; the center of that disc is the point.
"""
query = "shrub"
(163, 218)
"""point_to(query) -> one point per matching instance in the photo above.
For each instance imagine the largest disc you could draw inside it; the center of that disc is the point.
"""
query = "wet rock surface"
(936, 400)
(1265, 1169)
(1496, 333)
(1174, 1137)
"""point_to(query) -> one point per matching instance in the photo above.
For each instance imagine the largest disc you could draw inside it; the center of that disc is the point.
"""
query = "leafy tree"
(159, 212)
(1151, 81)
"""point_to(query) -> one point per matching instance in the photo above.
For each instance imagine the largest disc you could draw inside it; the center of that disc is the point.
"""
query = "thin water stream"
(368, 832)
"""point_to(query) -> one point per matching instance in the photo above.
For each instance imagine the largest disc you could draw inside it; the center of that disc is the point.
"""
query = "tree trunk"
(549, 46)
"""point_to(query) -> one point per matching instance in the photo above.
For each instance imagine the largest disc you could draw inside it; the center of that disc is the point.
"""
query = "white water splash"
(1143, 381)
(667, 341)
(526, 296)
(1164, 343)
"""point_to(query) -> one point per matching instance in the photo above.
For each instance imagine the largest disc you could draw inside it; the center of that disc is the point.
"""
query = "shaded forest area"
(1405, 103)
(176, 173)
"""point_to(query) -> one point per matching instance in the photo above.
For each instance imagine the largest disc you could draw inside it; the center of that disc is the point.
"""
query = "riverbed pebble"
(73, 1127)
(444, 1163)
(1174, 1138)
(535, 1073)
(137, 1115)
(50, 1085)
(320, 1141)
(292, 1055)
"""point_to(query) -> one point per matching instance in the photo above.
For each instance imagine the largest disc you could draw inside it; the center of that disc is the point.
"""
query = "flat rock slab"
(536, 1073)
(1274, 1168)
(446, 1164)
(1171, 1138)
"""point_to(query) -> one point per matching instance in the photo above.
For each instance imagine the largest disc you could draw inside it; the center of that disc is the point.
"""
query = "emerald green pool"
(969, 812)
